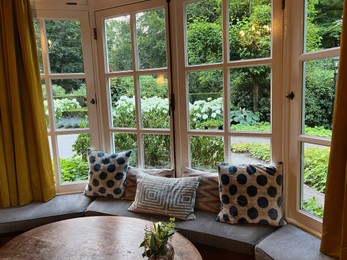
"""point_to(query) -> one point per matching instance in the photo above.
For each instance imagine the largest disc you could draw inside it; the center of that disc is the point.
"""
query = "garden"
(250, 88)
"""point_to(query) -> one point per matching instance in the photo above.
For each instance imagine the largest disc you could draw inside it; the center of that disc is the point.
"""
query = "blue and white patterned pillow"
(174, 197)
(107, 174)
(250, 193)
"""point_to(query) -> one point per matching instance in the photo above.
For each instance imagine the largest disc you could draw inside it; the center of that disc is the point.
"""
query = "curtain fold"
(26, 168)
(334, 235)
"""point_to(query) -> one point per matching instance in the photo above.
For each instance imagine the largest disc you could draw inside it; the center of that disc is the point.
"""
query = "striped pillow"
(207, 197)
(132, 174)
(174, 197)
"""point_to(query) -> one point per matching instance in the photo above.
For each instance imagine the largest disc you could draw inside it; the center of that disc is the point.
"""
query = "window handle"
(290, 96)
(93, 101)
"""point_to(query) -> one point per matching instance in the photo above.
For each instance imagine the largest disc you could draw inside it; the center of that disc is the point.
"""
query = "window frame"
(104, 75)
(294, 57)
(87, 75)
(181, 88)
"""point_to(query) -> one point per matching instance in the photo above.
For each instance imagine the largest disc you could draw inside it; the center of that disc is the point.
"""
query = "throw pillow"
(174, 197)
(250, 193)
(107, 173)
(131, 179)
(207, 196)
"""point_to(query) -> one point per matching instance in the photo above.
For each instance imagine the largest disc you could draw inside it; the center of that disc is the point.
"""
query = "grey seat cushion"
(36, 214)
(204, 230)
(288, 243)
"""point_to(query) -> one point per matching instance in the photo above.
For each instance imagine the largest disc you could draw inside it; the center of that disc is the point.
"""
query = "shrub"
(81, 145)
(61, 105)
(73, 169)
(206, 151)
(316, 167)
(311, 205)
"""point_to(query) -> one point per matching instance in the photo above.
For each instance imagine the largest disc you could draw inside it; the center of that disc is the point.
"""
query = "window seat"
(256, 241)
(23, 218)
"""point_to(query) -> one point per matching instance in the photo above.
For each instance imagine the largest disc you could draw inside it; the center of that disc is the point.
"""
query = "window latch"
(290, 96)
(93, 101)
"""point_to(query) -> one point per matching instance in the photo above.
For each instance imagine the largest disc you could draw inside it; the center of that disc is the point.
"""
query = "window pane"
(157, 151)
(64, 46)
(204, 32)
(318, 99)
(250, 108)
(45, 102)
(323, 24)
(118, 43)
(70, 103)
(205, 99)
(126, 142)
(250, 29)
(38, 43)
(72, 151)
(122, 102)
(250, 150)
(206, 151)
(314, 163)
(154, 101)
(151, 39)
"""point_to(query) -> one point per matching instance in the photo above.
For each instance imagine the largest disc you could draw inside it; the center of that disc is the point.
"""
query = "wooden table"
(102, 237)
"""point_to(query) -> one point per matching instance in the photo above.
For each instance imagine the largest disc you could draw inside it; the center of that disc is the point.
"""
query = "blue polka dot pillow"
(250, 193)
(107, 174)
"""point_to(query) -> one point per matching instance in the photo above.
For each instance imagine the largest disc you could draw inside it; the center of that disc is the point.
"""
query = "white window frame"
(181, 68)
(108, 129)
(87, 75)
(293, 81)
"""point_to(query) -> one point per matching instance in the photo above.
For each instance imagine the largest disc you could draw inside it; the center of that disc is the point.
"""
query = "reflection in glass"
(318, 97)
(64, 46)
(206, 151)
(157, 151)
(314, 165)
(122, 98)
(151, 39)
(246, 150)
(250, 99)
(154, 101)
(70, 103)
(250, 29)
(323, 24)
(126, 142)
(206, 99)
(118, 43)
(38, 43)
(204, 32)
(72, 157)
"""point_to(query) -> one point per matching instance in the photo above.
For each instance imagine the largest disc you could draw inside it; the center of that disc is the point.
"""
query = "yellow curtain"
(25, 163)
(334, 235)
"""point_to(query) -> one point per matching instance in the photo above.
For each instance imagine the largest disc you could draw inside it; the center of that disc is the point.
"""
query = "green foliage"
(243, 117)
(157, 151)
(318, 131)
(311, 205)
(206, 151)
(263, 127)
(319, 93)
(156, 237)
(255, 150)
(151, 39)
(73, 169)
(81, 145)
(316, 167)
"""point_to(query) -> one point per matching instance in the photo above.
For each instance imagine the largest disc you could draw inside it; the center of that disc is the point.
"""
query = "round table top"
(101, 237)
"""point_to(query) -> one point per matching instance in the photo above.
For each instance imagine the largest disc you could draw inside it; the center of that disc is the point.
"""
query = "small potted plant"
(156, 240)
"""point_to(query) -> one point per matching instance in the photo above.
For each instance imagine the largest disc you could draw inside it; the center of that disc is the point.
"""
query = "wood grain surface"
(102, 237)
